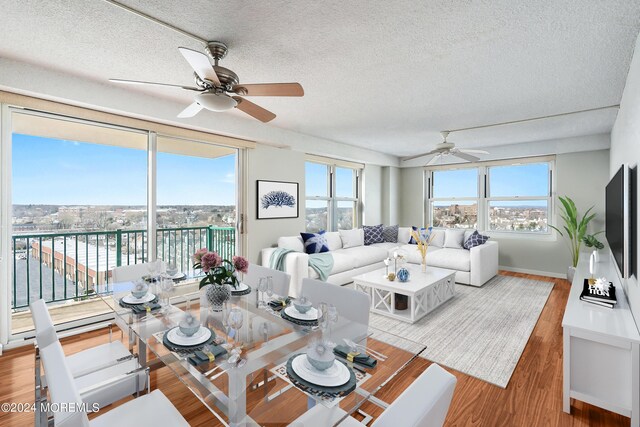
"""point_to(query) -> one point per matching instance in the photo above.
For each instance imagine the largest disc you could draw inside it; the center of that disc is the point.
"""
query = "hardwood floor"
(532, 398)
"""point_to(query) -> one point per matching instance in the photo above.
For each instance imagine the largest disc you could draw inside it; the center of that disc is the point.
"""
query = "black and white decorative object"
(475, 239)
(277, 199)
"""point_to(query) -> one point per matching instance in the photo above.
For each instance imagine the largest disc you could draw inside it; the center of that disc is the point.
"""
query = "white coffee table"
(425, 291)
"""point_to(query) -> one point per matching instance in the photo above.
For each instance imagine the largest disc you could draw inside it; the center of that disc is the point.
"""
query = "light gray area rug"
(481, 331)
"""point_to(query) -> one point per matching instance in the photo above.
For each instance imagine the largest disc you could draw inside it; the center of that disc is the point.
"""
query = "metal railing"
(76, 265)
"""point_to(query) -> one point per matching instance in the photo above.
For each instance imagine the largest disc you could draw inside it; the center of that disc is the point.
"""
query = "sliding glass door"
(84, 197)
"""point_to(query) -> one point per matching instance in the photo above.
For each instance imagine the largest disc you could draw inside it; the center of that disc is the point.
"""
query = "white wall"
(372, 200)
(267, 163)
(625, 148)
(582, 176)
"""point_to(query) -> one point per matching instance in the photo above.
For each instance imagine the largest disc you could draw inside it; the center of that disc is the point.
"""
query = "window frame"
(484, 199)
(331, 198)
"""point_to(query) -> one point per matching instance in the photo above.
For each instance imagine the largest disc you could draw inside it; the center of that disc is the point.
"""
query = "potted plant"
(219, 275)
(575, 228)
(590, 241)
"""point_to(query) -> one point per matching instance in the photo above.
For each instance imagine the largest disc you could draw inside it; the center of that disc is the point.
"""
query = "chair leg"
(110, 332)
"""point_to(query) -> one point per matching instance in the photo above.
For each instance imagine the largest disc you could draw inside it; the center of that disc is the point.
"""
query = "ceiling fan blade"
(434, 159)
(190, 111)
(254, 110)
(465, 156)
(137, 82)
(200, 64)
(404, 159)
(269, 89)
(464, 150)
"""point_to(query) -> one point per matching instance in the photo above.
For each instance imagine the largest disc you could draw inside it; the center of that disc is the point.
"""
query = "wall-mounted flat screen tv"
(616, 218)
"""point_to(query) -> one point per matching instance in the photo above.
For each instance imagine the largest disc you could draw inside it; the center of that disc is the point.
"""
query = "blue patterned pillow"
(315, 243)
(372, 234)
(412, 241)
(390, 233)
(476, 239)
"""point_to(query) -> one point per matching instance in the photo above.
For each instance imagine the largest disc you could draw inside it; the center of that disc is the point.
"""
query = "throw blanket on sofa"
(322, 263)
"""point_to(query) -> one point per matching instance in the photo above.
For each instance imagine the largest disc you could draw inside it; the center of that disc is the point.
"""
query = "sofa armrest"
(296, 264)
(484, 262)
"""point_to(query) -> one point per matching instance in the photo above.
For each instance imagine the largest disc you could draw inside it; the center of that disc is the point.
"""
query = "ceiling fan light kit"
(220, 87)
(216, 101)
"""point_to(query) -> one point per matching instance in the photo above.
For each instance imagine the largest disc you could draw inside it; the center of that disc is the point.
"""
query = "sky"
(316, 180)
(60, 172)
(505, 181)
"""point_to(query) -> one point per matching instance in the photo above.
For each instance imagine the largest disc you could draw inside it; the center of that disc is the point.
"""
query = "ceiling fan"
(448, 149)
(219, 88)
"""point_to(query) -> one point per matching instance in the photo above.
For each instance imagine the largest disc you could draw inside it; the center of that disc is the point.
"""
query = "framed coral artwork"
(277, 199)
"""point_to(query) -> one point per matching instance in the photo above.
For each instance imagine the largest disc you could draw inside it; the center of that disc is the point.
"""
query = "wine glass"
(269, 287)
(226, 308)
(332, 317)
(323, 317)
(166, 287)
(262, 288)
(236, 318)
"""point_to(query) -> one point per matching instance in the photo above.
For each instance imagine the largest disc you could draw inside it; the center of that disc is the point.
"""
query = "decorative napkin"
(355, 357)
(206, 355)
(279, 304)
(140, 308)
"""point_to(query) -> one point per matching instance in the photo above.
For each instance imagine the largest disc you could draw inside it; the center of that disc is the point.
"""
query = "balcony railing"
(76, 265)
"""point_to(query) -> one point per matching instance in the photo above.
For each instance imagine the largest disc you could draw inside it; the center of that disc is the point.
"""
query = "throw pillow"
(315, 243)
(372, 234)
(453, 238)
(412, 241)
(437, 240)
(390, 233)
(476, 239)
(352, 238)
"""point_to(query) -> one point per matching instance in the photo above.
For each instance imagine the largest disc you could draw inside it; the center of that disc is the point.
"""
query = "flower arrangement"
(219, 271)
(423, 238)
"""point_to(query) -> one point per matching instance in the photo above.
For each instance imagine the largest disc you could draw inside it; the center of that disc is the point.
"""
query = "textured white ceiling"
(377, 74)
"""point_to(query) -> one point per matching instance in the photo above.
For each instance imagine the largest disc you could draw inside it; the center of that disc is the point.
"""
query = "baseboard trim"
(536, 272)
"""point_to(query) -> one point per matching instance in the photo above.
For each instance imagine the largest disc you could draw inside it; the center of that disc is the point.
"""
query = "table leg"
(237, 396)
(566, 379)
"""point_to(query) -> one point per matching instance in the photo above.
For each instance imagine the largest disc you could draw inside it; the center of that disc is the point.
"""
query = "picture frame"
(277, 199)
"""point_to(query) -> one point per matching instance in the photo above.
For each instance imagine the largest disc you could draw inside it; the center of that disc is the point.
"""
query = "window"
(332, 197)
(493, 196)
(455, 198)
(518, 197)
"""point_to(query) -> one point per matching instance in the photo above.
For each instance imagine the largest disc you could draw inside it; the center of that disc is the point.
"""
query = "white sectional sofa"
(473, 267)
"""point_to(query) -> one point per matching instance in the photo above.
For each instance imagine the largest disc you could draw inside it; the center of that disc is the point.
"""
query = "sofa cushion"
(453, 238)
(334, 241)
(295, 243)
(437, 239)
(372, 234)
(386, 245)
(413, 255)
(404, 234)
(390, 233)
(366, 255)
(314, 243)
(352, 238)
(344, 259)
(452, 259)
(475, 239)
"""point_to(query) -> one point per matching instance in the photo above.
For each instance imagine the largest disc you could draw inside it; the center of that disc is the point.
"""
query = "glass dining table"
(256, 389)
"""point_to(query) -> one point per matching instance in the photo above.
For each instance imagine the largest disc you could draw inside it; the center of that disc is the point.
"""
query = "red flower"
(241, 264)
(210, 260)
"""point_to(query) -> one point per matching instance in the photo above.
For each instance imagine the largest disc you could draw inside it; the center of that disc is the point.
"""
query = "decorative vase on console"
(423, 238)
(219, 275)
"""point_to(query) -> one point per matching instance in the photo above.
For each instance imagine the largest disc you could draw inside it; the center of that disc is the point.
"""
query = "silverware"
(375, 354)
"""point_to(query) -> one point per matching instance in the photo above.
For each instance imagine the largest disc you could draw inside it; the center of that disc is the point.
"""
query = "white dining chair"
(129, 273)
(281, 280)
(93, 366)
(351, 304)
(153, 409)
(425, 403)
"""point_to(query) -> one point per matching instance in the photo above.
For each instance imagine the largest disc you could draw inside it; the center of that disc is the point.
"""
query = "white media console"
(601, 348)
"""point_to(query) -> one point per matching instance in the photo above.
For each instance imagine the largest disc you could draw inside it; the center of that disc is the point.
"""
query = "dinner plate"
(310, 315)
(176, 276)
(130, 299)
(241, 287)
(335, 376)
(176, 337)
